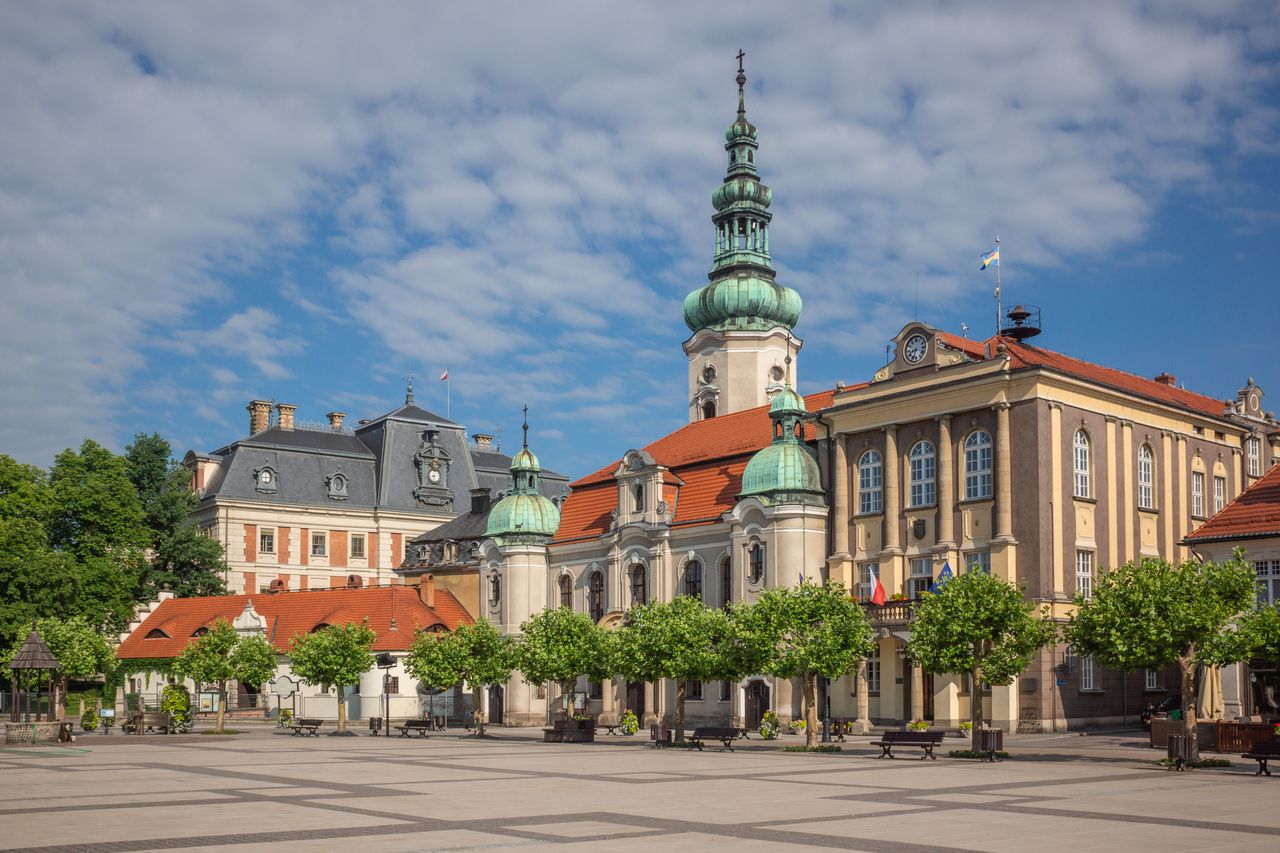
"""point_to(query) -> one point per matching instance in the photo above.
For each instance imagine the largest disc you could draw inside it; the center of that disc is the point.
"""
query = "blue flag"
(943, 576)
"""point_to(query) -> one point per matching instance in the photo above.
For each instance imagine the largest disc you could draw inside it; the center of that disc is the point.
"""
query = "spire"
(525, 427)
(742, 81)
(408, 391)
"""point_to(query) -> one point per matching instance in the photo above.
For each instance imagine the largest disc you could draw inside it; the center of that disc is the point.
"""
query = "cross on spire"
(742, 81)
(408, 391)
(525, 426)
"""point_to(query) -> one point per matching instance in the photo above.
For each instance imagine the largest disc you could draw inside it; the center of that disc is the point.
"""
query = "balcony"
(891, 614)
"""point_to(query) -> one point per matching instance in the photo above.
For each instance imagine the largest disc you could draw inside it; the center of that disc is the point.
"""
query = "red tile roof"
(291, 613)
(708, 458)
(1255, 512)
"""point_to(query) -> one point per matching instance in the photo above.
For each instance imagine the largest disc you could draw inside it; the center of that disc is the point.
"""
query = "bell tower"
(742, 319)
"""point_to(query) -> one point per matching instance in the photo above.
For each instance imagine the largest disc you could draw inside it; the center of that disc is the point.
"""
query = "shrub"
(918, 726)
(966, 728)
(769, 725)
(1204, 762)
(285, 718)
(970, 753)
(825, 747)
(89, 721)
(629, 724)
(176, 702)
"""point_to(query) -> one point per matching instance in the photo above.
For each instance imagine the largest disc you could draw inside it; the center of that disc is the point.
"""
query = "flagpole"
(448, 386)
(999, 308)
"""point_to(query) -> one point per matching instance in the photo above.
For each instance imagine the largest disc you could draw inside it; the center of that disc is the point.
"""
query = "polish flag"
(877, 591)
(444, 376)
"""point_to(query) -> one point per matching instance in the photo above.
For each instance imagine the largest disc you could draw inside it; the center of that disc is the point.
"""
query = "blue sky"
(208, 203)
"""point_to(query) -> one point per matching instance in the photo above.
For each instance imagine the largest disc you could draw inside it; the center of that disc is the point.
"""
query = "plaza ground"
(267, 791)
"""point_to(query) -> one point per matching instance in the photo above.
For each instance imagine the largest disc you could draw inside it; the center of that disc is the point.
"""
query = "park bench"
(926, 741)
(725, 734)
(1262, 752)
(306, 727)
(419, 726)
(140, 722)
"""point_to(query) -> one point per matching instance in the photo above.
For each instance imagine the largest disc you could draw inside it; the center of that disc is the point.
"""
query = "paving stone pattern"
(270, 792)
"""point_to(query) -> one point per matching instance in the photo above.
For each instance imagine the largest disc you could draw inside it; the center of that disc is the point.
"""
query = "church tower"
(742, 320)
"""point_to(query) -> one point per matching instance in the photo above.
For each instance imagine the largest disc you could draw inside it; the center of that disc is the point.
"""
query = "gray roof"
(34, 654)
(469, 525)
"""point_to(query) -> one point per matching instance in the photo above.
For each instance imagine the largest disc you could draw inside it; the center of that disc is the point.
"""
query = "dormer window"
(265, 480)
(337, 484)
(200, 632)
(156, 634)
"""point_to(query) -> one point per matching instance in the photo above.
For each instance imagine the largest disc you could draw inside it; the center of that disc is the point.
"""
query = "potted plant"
(284, 718)
(918, 726)
(89, 722)
(966, 729)
(769, 725)
(176, 702)
(629, 724)
(797, 727)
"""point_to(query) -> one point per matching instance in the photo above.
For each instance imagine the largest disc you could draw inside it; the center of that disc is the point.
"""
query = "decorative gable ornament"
(432, 462)
(337, 484)
(265, 480)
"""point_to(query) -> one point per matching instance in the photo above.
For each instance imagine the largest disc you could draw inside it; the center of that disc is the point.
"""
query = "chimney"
(335, 420)
(284, 413)
(483, 442)
(1167, 378)
(259, 416)
(427, 590)
(479, 500)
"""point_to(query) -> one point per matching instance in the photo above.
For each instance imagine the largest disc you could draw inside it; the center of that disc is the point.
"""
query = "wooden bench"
(306, 727)
(926, 741)
(725, 734)
(141, 722)
(419, 726)
(1262, 752)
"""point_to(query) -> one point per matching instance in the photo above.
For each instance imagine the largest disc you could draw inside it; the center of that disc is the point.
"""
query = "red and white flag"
(877, 588)
(444, 376)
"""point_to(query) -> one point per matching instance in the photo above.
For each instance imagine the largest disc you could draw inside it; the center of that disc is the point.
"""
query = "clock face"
(914, 349)
(433, 475)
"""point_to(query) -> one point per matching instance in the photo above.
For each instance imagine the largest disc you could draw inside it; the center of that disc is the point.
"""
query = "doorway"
(635, 698)
(757, 703)
(926, 687)
(497, 705)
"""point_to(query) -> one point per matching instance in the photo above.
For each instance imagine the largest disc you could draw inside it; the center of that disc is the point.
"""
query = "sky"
(207, 203)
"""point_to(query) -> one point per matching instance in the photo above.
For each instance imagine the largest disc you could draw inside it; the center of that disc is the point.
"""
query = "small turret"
(524, 516)
(785, 472)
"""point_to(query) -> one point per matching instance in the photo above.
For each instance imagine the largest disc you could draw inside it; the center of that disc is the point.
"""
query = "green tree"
(476, 654)
(149, 466)
(222, 655)
(36, 581)
(1152, 613)
(95, 511)
(561, 646)
(81, 651)
(981, 626)
(335, 655)
(681, 640)
(804, 632)
(24, 491)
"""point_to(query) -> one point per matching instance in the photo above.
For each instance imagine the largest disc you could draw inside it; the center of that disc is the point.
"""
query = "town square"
(447, 426)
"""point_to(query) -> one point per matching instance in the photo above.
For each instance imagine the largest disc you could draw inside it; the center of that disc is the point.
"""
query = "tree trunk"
(566, 687)
(810, 710)
(975, 708)
(680, 694)
(1186, 664)
(477, 710)
(342, 710)
(60, 703)
(222, 705)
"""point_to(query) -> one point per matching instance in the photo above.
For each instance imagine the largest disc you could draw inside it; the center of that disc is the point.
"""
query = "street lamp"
(386, 661)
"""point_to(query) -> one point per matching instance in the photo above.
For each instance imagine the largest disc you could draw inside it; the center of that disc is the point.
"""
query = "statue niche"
(432, 462)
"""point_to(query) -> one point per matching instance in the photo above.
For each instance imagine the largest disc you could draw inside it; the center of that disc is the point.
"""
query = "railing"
(889, 613)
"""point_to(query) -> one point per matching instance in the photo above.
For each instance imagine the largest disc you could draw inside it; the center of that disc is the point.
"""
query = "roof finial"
(742, 81)
(526, 427)
(408, 391)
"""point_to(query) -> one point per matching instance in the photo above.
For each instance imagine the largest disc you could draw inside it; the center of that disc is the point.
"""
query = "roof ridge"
(1220, 517)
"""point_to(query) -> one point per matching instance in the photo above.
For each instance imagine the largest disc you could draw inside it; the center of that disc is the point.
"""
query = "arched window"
(708, 410)
(595, 595)
(1080, 456)
(755, 561)
(566, 591)
(726, 582)
(870, 482)
(495, 589)
(977, 465)
(1146, 475)
(638, 594)
(923, 459)
(156, 634)
(693, 580)
(637, 494)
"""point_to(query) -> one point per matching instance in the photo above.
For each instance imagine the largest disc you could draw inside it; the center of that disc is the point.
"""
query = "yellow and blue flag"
(990, 258)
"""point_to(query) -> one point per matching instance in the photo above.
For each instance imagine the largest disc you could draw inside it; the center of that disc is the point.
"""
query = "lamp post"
(386, 661)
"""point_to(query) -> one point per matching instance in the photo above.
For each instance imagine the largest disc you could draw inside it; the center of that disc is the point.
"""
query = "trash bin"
(1179, 751)
(375, 725)
(991, 741)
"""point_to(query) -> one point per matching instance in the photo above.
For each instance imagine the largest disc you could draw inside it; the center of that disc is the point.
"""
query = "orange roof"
(708, 458)
(291, 613)
(1254, 512)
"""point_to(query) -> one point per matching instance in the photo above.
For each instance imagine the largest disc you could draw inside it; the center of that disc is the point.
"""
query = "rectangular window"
(725, 690)
(266, 541)
(319, 541)
(1086, 673)
(595, 690)
(357, 546)
(1084, 574)
(1268, 572)
(866, 586)
(1146, 478)
(977, 561)
(1152, 682)
(1219, 494)
(921, 576)
(873, 672)
(870, 472)
(1255, 457)
(693, 690)
(1197, 494)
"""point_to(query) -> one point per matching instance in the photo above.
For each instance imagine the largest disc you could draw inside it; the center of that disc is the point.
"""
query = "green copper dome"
(523, 517)
(742, 294)
(785, 472)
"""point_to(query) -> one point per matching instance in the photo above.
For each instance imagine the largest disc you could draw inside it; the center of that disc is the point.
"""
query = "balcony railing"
(889, 613)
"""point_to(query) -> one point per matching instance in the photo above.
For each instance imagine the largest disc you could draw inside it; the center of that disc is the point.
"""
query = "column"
(651, 714)
(1004, 476)
(917, 690)
(864, 698)
(946, 487)
(892, 503)
(840, 498)
(1184, 489)
(1058, 495)
(1127, 511)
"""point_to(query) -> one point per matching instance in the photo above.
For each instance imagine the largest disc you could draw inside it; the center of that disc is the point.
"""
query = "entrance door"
(635, 698)
(927, 686)
(497, 709)
(757, 704)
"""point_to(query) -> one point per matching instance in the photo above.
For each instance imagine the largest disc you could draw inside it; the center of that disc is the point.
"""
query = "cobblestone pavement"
(271, 792)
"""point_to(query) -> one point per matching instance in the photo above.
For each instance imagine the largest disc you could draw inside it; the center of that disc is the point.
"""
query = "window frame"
(1081, 460)
(1088, 674)
(595, 595)
(1197, 494)
(564, 586)
(922, 479)
(1219, 494)
(865, 586)
(693, 690)
(873, 672)
(351, 546)
(982, 564)
(1151, 680)
(755, 562)
(639, 585)
(1084, 573)
(979, 460)
(323, 539)
(870, 482)
(915, 577)
(264, 532)
(1253, 450)
(726, 582)
(693, 579)
(1146, 477)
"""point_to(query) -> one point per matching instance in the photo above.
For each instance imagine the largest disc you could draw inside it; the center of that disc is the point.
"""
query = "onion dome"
(742, 302)
(786, 471)
(523, 517)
